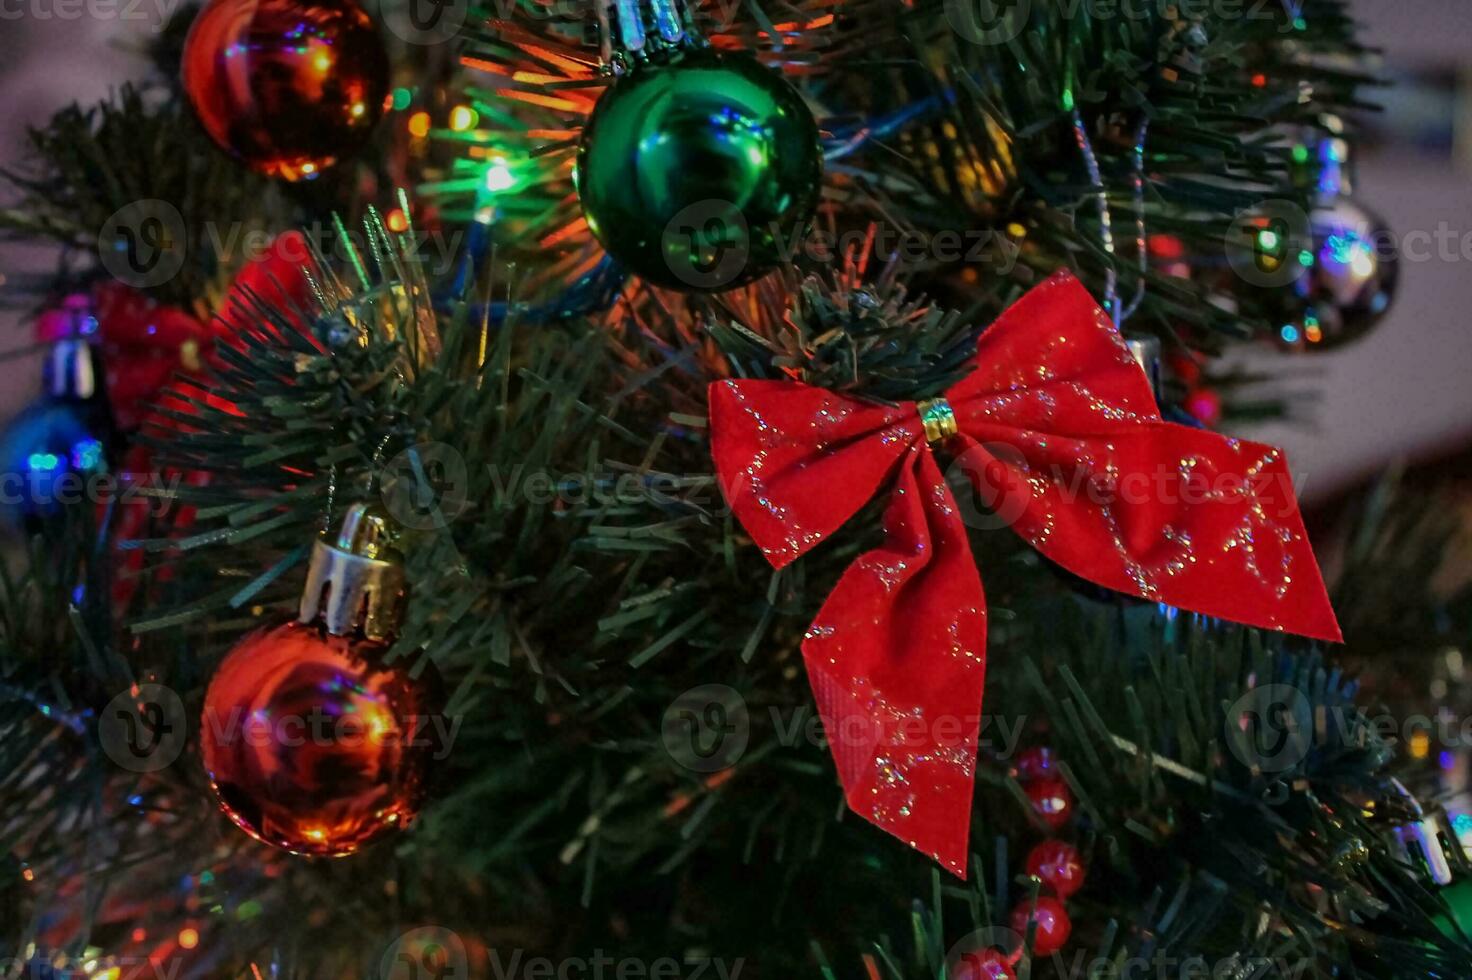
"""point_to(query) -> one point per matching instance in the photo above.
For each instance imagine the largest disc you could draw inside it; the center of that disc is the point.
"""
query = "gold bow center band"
(939, 420)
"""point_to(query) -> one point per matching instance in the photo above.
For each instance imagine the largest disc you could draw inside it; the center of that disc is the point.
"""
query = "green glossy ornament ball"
(700, 174)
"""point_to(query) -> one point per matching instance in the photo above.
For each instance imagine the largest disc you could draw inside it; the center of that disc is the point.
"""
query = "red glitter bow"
(1058, 430)
(275, 277)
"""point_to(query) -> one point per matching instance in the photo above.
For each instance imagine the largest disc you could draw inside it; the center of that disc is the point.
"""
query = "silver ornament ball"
(1349, 277)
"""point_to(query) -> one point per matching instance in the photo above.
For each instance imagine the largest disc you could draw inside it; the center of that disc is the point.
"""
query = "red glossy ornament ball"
(1185, 368)
(312, 744)
(1052, 801)
(1058, 865)
(1205, 406)
(1036, 763)
(987, 964)
(1053, 925)
(288, 86)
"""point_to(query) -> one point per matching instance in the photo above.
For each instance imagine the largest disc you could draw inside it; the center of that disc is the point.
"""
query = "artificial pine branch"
(569, 622)
(564, 658)
(86, 164)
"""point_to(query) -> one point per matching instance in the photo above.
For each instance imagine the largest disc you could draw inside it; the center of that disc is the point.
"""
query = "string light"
(462, 117)
(499, 177)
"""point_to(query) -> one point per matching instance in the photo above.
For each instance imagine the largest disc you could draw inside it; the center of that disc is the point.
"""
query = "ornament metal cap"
(633, 31)
(1146, 352)
(356, 583)
(70, 370)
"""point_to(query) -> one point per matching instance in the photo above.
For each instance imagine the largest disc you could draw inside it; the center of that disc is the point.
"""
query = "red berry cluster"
(1037, 770)
(1055, 863)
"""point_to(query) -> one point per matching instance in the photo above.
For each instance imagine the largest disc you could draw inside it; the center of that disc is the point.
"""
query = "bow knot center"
(938, 418)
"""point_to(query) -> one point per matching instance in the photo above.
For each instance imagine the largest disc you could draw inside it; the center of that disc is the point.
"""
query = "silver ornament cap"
(356, 584)
(71, 370)
(1146, 352)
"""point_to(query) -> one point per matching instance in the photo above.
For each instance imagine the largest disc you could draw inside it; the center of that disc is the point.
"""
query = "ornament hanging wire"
(1106, 220)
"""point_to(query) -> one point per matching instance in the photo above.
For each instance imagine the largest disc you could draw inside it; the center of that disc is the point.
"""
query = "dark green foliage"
(1222, 91)
(574, 570)
(568, 622)
(86, 164)
(862, 338)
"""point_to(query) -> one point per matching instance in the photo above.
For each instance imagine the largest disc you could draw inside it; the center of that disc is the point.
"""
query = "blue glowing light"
(42, 462)
(87, 455)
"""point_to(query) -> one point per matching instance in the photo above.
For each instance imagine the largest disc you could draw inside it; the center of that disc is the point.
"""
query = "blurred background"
(1403, 392)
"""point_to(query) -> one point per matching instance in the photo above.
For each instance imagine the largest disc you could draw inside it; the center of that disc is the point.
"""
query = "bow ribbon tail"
(897, 660)
(795, 461)
(1161, 511)
(1061, 436)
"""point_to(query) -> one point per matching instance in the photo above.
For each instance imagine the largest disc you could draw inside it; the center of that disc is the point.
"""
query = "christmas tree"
(663, 489)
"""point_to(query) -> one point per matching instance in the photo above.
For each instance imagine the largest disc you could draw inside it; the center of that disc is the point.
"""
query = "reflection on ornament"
(312, 740)
(1458, 898)
(309, 740)
(289, 87)
(1052, 801)
(1348, 269)
(1351, 276)
(1051, 922)
(1058, 865)
(696, 173)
